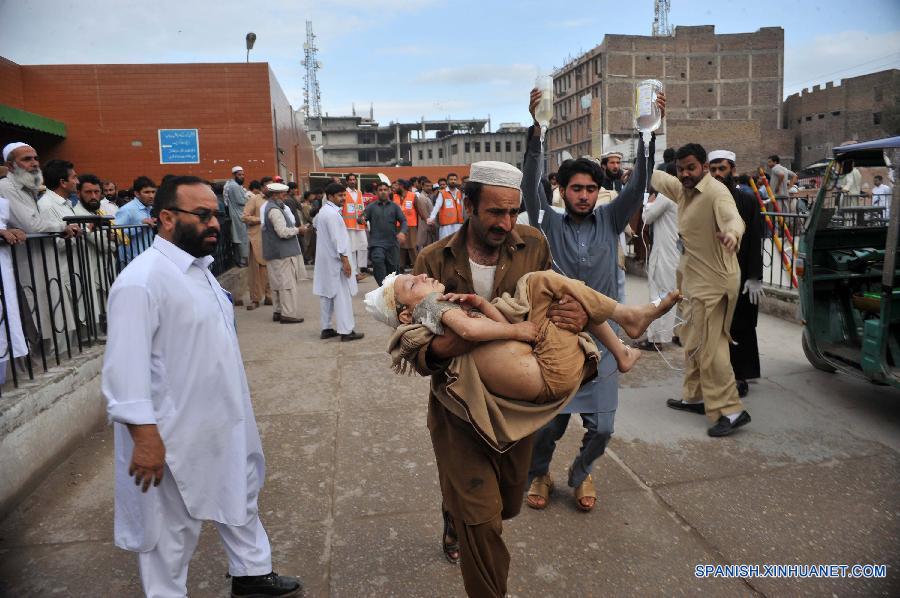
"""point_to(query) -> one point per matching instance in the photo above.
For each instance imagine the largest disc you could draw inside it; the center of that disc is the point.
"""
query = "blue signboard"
(179, 146)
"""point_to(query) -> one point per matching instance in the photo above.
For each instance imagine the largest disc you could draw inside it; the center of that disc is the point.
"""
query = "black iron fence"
(55, 287)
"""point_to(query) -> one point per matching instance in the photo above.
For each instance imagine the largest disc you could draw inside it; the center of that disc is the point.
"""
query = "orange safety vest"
(451, 209)
(352, 209)
(408, 206)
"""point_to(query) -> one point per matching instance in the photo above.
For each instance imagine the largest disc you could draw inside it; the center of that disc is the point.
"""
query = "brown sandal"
(541, 486)
(585, 490)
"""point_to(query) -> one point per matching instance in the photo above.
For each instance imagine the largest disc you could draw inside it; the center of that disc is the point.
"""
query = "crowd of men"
(187, 447)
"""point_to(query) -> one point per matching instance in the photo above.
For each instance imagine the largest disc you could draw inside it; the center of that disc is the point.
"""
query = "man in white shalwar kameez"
(662, 214)
(333, 279)
(10, 314)
(20, 187)
(177, 395)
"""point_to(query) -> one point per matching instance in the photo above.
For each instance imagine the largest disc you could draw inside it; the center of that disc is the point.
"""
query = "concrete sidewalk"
(351, 501)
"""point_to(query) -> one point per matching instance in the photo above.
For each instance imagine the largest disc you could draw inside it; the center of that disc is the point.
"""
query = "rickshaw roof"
(867, 153)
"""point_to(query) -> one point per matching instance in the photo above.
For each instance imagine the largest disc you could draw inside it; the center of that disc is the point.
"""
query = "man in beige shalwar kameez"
(710, 229)
(281, 250)
(257, 274)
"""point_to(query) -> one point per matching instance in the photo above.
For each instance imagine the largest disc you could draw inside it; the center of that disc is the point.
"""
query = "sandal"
(451, 548)
(586, 490)
(542, 487)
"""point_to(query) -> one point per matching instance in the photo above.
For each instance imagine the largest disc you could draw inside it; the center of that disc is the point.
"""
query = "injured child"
(521, 355)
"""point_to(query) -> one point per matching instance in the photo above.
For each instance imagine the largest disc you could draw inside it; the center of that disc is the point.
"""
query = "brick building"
(855, 109)
(107, 118)
(723, 90)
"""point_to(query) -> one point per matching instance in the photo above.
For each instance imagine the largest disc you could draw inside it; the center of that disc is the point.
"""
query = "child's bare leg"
(625, 356)
(634, 319)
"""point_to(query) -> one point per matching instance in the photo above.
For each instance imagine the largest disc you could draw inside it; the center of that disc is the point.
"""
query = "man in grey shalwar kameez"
(584, 245)
(235, 200)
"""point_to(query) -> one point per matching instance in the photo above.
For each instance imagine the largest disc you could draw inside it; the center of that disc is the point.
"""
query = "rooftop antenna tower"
(312, 99)
(661, 26)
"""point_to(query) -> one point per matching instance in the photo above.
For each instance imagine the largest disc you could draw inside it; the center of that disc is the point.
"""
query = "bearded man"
(22, 187)
(745, 353)
(709, 282)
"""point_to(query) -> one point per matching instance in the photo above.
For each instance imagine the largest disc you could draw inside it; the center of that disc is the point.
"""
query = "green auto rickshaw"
(847, 268)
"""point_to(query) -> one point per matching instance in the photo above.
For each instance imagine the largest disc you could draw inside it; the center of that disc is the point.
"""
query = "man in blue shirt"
(135, 214)
(584, 246)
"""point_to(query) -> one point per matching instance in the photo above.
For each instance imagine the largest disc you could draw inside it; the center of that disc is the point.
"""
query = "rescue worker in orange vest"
(448, 208)
(354, 205)
(405, 197)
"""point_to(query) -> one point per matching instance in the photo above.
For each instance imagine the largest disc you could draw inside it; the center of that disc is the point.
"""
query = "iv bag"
(647, 116)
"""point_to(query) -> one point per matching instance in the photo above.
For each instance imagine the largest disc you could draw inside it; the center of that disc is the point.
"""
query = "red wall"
(113, 113)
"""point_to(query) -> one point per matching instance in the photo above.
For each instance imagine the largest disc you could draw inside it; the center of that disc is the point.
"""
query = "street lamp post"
(251, 39)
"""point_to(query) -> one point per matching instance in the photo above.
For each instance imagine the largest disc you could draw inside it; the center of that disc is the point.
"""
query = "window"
(430, 154)
(312, 137)
(440, 152)
(468, 147)
(454, 149)
(420, 154)
(835, 113)
(518, 146)
(876, 118)
(366, 155)
(821, 116)
(487, 147)
(477, 147)
(497, 146)
(808, 118)
(509, 146)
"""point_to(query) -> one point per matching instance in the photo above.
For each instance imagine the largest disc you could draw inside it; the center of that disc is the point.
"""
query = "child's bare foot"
(638, 317)
(628, 358)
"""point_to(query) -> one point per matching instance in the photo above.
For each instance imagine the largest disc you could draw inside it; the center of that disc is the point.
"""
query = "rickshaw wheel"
(813, 359)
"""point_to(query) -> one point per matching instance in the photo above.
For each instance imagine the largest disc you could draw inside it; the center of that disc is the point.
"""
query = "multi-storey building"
(723, 91)
(506, 145)
(345, 141)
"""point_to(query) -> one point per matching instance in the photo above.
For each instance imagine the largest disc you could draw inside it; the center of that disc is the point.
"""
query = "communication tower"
(312, 99)
(661, 18)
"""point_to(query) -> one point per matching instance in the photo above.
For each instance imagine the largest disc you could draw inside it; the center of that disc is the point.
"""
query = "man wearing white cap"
(711, 228)
(744, 354)
(333, 279)
(235, 200)
(22, 187)
(612, 170)
(481, 486)
(281, 250)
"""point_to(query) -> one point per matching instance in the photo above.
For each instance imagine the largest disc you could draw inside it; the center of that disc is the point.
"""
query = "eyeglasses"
(204, 215)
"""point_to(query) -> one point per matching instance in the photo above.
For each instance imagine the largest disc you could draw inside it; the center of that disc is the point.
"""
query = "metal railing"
(781, 237)
(54, 289)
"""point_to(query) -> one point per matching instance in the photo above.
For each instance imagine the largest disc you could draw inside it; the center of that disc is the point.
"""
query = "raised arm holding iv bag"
(647, 116)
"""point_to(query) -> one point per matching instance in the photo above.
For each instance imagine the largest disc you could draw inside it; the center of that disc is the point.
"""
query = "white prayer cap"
(435, 186)
(721, 155)
(235, 169)
(382, 304)
(611, 154)
(277, 187)
(498, 174)
(11, 147)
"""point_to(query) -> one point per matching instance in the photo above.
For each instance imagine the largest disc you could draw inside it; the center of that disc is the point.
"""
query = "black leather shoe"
(353, 336)
(262, 586)
(287, 320)
(742, 387)
(276, 317)
(328, 333)
(682, 406)
(724, 427)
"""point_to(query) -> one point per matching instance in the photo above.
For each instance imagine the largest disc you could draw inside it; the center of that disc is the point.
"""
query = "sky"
(430, 58)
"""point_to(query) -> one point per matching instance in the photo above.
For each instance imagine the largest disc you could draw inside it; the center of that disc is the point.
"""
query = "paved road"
(351, 497)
